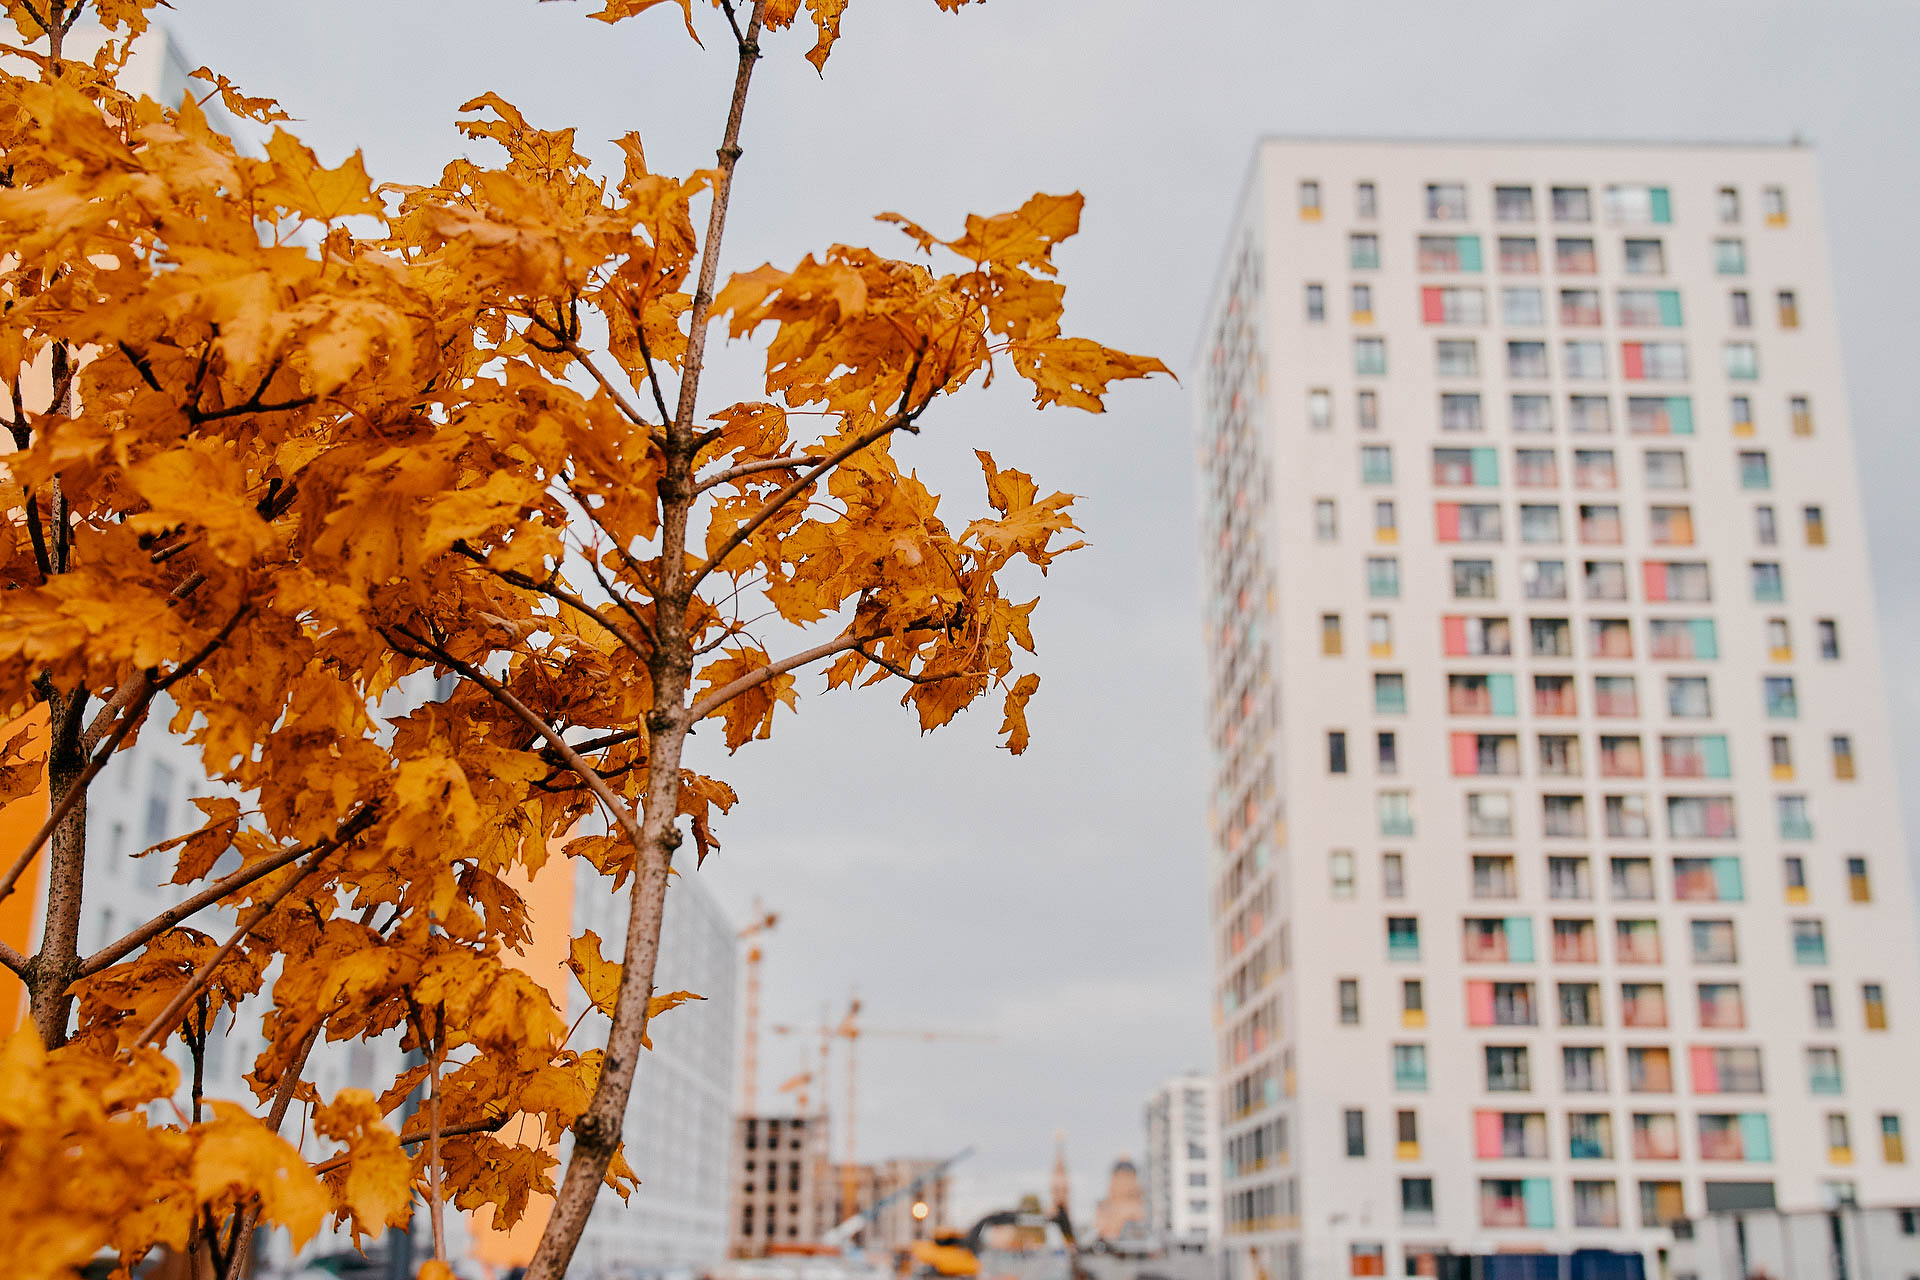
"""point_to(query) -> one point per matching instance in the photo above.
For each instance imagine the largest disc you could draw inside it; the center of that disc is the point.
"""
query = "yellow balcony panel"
(1310, 214)
(1386, 537)
(1407, 1151)
(1839, 1155)
(1743, 428)
(1796, 893)
(1782, 772)
(1380, 650)
(1413, 1018)
(1363, 317)
(1776, 219)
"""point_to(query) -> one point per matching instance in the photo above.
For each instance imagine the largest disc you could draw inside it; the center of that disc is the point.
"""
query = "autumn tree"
(404, 507)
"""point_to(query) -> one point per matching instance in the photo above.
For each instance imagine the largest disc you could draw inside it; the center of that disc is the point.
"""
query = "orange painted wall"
(20, 911)
(549, 896)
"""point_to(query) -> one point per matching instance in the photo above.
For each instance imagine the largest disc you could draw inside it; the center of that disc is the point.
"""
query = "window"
(1520, 255)
(1416, 1197)
(1316, 303)
(1449, 253)
(1666, 469)
(1795, 824)
(1779, 746)
(1569, 878)
(1656, 361)
(1631, 879)
(1740, 306)
(1410, 1068)
(1636, 941)
(1742, 361)
(1700, 817)
(1809, 942)
(1460, 411)
(1383, 577)
(1330, 643)
(1586, 359)
(1473, 580)
(1413, 1003)
(1336, 751)
(1389, 693)
(1714, 942)
(1456, 358)
(1708, 880)
(1740, 412)
(1874, 1002)
(1564, 815)
(1822, 1005)
(1589, 415)
(1348, 991)
(1363, 200)
(1535, 469)
(1367, 410)
(1326, 520)
(1574, 256)
(1596, 1204)
(1609, 638)
(1827, 634)
(1766, 531)
(1572, 204)
(1550, 637)
(1600, 524)
(1594, 469)
(1544, 579)
(1646, 258)
(1319, 409)
(1453, 305)
(1754, 472)
(1554, 696)
(1396, 813)
(1893, 1148)
(1649, 1070)
(1730, 256)
(1694, 756)
(1643, 1004)
(1656, 1135)
(1615, 696)
(1650, 308)
(1489, 814)
(1768, 587)
(1677, 581)
(1393, 873)
(1823, 1071)
(1476, 637)
(1539, 523)
(1773, 203)
(1507, 1070)
(1579, 1004)
(1574, 942)
(1493, 876)
(1580, 306)
(1513, 204)
(1446, 202)
(1721, 1007)
(1814, 521)
(1781, 702)
(1369, 355)
(1662, 1204)
(1380, 634)
(1363, 251)
(1356, 1129)
(1527, 360)
(1385, 524)
(1523, 308)
(1310, 200)
(1800, 410)
(1621, 757)
(1689, 697)
(1839, 1145)
(1583, 1069)
(1361, 299)
(1728, 204)
(1859, 888)
(1789, 308)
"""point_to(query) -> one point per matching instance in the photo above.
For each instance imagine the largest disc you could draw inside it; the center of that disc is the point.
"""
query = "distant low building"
(779, 1167)
(1122, 1215)
(1769, 1244)
(1181, 1166)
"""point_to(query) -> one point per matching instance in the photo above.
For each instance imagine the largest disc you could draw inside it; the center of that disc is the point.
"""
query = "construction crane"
(850, 1030)
(763, 920)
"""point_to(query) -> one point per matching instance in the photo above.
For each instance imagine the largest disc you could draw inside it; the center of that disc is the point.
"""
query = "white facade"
(1839, 1242)
(679, 1127)
(1582, 947)
(1181, 1170)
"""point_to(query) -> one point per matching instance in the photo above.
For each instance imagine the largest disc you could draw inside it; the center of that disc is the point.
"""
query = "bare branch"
(114, 952)
(13, 959)
(734, 688)
(414, 1137)
(755, 468)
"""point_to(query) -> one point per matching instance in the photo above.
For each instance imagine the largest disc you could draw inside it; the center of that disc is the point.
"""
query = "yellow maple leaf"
(620, 10)
(298, 181)
(599, 977)
(1015, 723)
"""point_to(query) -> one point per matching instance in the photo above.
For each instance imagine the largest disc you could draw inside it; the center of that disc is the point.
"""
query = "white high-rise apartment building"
(1559, 885)
(1181, 1169)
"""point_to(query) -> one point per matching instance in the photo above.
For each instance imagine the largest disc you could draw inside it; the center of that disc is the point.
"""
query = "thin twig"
(754, 468)
(513, 577)
(734, 688)
(464, 1129)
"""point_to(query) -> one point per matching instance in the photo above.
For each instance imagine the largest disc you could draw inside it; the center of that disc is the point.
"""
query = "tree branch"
(276, 1116)
(754, 468)
(414, 1138)
(98, 760)
(13, 959)
(734, 688)
(514, 577)
(114, 952)
(162, 1021)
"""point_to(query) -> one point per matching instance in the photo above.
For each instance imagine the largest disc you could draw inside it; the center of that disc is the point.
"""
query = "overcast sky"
(1058, 900)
